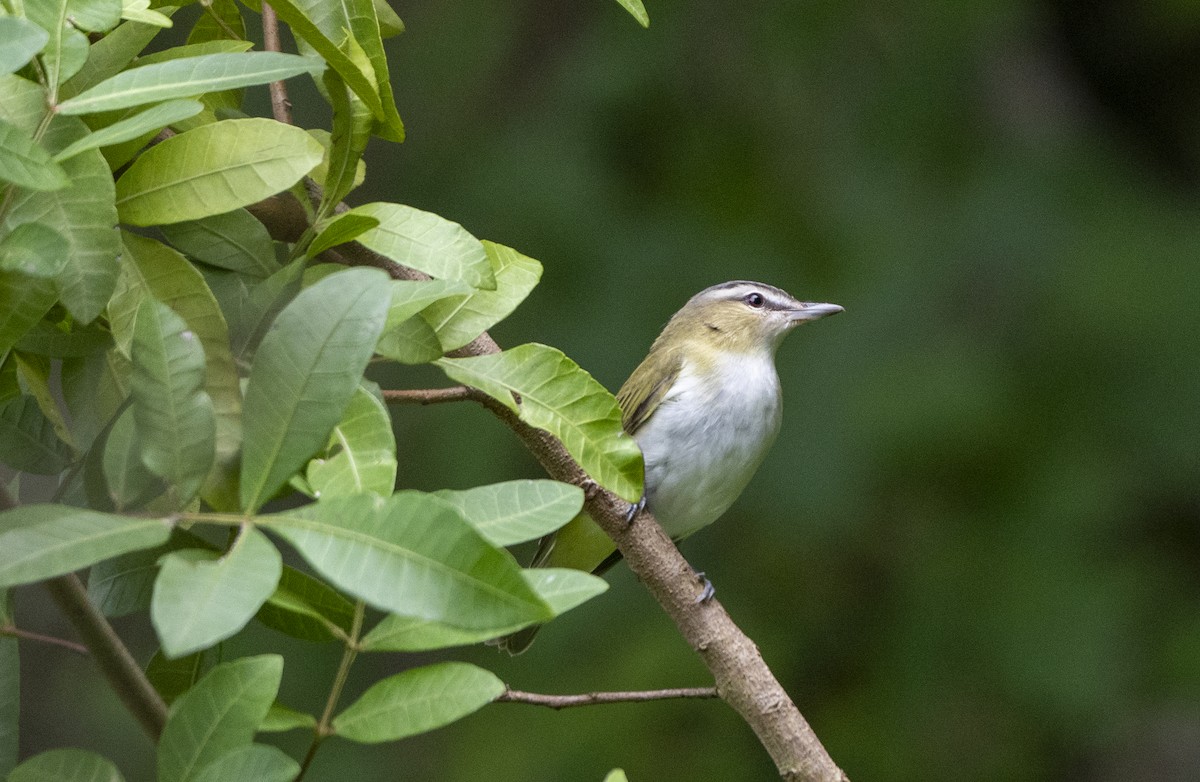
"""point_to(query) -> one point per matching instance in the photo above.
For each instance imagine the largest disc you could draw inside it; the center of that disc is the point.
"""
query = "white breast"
(706, 439)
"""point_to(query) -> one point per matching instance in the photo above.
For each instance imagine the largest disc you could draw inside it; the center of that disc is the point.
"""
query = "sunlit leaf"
(416, 701)
(41, 541)
(459, 319)
(186, 78)
(305, 373)
(560, 397)
(198, 602)
(411, 554)
(154, 118)
(516, 511)
(361, 454)
(214, 169)
(637, 10)
(427, 242)
(561, 588)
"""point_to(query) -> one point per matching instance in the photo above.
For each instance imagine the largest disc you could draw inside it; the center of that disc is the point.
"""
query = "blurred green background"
(974, 552)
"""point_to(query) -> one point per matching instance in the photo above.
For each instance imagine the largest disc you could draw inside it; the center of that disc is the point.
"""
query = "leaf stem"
(323, 730)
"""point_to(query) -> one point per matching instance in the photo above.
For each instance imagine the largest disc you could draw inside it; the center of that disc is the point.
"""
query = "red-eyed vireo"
(704, 406)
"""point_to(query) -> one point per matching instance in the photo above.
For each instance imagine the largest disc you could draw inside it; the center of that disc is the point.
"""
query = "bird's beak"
(811, 310)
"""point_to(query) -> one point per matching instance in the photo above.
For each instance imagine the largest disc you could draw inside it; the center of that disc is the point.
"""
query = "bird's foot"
(707, 590)
(634, 509)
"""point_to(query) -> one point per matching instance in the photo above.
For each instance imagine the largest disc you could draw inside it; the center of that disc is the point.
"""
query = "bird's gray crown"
(735, 290)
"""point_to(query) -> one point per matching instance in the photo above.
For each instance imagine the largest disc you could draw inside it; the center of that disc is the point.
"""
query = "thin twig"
(28, 635)
(281, 106)
(426, 396)
(323, 729)
(595, 698)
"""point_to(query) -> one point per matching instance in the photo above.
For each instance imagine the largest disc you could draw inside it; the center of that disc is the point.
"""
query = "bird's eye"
(755, 300)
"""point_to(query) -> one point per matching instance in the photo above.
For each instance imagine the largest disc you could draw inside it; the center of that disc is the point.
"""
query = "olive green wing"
(647, 387)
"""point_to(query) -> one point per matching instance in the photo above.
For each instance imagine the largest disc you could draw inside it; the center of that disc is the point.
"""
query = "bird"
(704, 406)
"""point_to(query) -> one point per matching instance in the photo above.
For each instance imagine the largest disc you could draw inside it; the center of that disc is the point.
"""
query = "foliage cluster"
(168, 369)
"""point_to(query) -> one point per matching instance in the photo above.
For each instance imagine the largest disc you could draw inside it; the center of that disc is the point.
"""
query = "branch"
(426, 396)
(595, 698)
(281, 107)
(27, 635)
(116, 663)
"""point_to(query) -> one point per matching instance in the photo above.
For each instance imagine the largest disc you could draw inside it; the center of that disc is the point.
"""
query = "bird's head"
(742, 316)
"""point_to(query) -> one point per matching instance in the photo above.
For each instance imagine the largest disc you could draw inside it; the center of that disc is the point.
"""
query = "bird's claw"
(634, 509)
(707, 590)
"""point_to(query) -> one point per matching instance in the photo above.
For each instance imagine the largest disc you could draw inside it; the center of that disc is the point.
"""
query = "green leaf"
(304, 374)
(188, 77)
(34, 374)
(65, 52)
(24, 163)
(616, 775)
(416, 701)
(516, 511)
(354, 20)
(23, 302)
(20, 39)
(222, 46)
(214, 169)
(281, 719)
(109, 56)
(172, 678)
(42, 541)
(94, 16)
(460, 319)
(637, 11)
(122, 585)
(233, 240)
(34, 250)
(361, 454)
(217, 715)
(257, 762)
(152, 119)
(352, 123)
(128, 482)
(198, 603)
(411, 554)
(561, 398)
(561, 588)
(173, 412)
(83, 213)
(10, 690)
(66, 765)
(27, 439)
(259, 308)
(426, 242)
(299, 17)
(64, 340)
(344, 228)
(307, 608)
(150, 267)
(410, 342)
